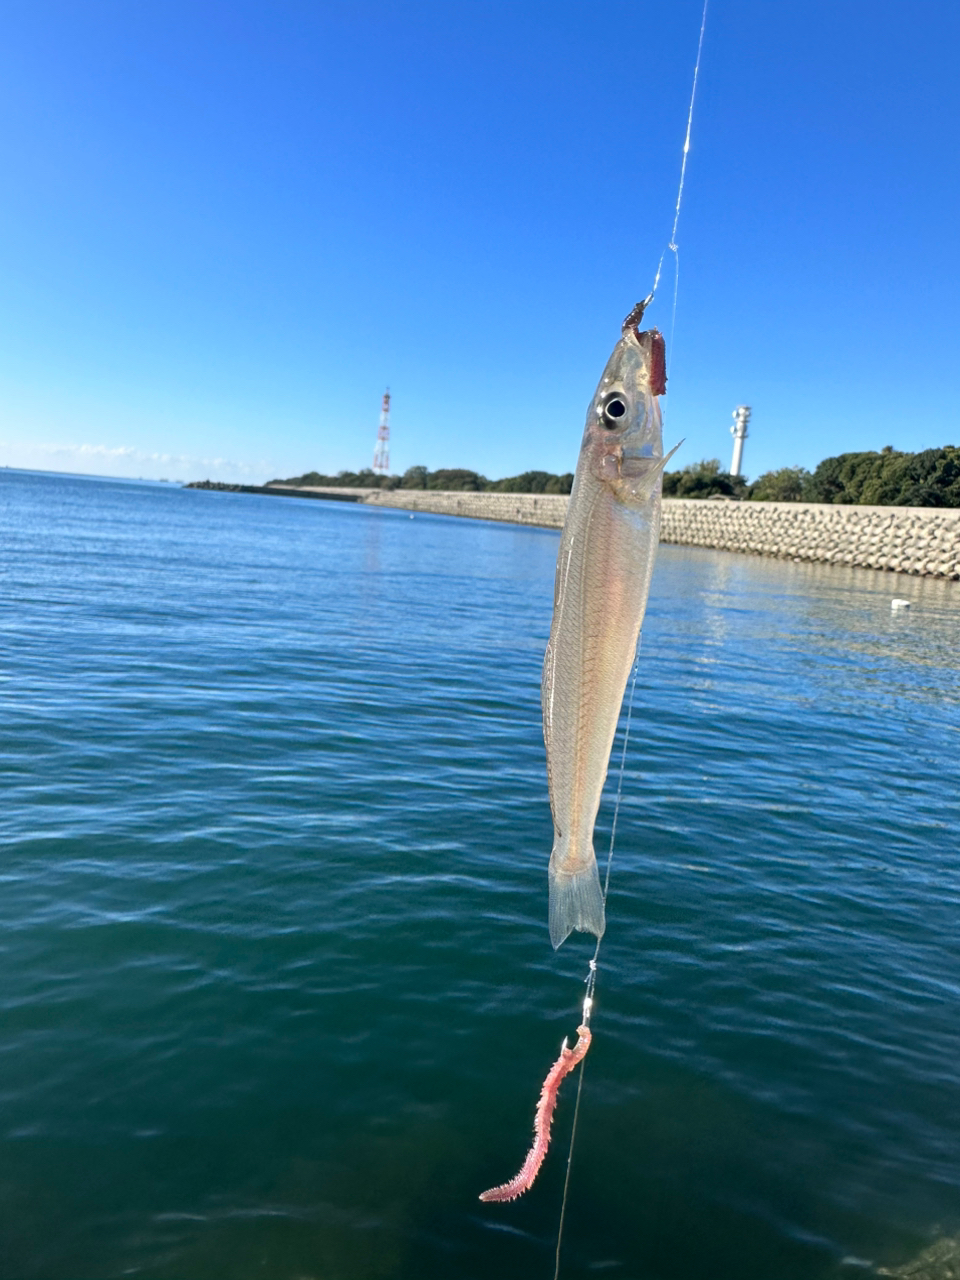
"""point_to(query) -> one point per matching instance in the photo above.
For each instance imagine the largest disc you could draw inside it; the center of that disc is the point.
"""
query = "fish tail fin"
(576, 901)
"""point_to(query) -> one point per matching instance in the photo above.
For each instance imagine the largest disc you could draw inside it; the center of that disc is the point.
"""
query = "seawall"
(918, 540)
(545, 509)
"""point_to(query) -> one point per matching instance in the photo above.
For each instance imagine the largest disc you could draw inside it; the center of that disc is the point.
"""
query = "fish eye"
(613, 412)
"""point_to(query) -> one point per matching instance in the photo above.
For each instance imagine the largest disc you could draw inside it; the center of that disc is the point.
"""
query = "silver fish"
(604, 567)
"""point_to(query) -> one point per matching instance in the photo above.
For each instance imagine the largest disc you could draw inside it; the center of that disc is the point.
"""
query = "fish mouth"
(652, 341)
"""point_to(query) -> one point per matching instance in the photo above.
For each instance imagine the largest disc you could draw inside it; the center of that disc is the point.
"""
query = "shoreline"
(923, 541)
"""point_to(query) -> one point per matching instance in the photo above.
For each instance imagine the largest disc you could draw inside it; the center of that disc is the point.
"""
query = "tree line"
(450, 478)
(885, 478)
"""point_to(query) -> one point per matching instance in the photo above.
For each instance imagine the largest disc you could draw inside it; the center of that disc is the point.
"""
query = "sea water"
(276, 990)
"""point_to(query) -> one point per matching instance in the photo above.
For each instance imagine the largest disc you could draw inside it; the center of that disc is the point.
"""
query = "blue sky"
(226, 226)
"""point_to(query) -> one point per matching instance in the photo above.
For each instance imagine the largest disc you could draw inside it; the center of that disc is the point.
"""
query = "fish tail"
(576, 900)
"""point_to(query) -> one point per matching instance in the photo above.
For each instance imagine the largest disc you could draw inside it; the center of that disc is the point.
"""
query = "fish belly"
(603, 576)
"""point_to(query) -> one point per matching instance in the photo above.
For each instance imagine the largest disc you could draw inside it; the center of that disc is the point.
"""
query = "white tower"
(741, 416)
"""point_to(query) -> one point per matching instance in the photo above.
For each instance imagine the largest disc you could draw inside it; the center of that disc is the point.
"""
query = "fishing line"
(592, 975)
(672, 246)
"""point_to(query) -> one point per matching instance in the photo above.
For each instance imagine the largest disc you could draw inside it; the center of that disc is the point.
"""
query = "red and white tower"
(381, 455)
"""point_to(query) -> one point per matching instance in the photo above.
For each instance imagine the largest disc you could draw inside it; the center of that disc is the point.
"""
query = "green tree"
(457, 478)
(415, 478)
(930, 478)
(534, 482)
(703, 479)
(788, 484)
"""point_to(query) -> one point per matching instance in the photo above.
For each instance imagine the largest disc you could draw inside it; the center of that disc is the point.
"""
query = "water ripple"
(276, 982)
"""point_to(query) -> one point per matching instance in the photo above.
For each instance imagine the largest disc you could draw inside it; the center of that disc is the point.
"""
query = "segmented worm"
(542, 1120)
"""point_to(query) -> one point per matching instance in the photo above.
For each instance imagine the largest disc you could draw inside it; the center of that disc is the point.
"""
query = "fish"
(604, 566)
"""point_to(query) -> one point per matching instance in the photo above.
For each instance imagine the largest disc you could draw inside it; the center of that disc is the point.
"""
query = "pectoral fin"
(666, 458)
(639, 476)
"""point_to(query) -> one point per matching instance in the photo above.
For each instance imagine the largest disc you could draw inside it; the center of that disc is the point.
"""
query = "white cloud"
(129, 462)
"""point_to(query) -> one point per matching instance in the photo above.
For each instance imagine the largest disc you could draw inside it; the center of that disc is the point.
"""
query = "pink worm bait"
(542, 1120)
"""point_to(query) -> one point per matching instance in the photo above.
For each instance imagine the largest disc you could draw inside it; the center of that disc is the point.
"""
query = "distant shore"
(284, 490)
(923, 541)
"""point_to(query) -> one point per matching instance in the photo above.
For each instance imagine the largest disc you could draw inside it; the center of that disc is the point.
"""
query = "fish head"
(623, 442)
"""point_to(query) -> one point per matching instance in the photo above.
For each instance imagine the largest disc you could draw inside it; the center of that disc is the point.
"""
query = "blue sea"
(276, 991)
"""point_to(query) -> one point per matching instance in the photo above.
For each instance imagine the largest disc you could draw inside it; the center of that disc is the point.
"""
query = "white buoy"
(899, 604)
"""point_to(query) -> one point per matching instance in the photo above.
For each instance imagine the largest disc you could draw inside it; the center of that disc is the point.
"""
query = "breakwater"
(545, 509)
(916, 540)
(284, 490)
